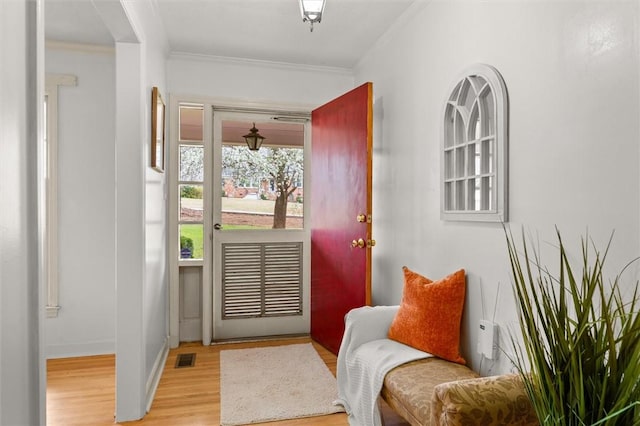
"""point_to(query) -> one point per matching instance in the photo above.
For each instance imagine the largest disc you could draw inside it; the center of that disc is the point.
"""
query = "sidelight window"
(191, 180)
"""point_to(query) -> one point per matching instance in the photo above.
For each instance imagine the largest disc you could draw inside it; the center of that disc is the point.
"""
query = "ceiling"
(266, 30)
(263, 30)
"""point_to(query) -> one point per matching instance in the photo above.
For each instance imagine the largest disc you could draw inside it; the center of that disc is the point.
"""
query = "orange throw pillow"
(430, 313)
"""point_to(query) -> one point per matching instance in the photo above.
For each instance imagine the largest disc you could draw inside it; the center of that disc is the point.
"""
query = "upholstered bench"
(409, 356)
(435, 392)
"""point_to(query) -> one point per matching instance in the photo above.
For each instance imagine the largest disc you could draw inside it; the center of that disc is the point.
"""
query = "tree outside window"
(273, 173)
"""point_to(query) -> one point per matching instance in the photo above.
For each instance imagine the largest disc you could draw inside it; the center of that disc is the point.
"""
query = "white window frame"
(52, 84)
(457, 174)
(206, 158)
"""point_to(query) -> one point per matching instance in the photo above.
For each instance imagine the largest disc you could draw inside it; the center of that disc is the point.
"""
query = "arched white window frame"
(473, 150)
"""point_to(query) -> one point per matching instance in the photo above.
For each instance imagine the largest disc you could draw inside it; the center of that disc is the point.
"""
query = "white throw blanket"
(365, 357)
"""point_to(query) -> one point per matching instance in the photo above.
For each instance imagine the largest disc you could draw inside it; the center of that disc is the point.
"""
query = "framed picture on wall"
(157, 130)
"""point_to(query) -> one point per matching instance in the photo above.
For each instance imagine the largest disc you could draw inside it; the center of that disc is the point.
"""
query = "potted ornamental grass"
(580, 355)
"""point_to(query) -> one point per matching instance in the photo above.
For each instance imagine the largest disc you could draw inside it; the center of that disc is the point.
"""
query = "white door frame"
(173, 249)
(264, 326)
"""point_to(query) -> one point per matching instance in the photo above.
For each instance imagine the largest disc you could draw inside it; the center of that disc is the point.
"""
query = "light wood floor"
(80, 391)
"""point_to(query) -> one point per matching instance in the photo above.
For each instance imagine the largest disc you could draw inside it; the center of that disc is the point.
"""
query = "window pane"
(488, 113)
(473, 160)
(467, 95)
(487, 156)
(459, 129)
(459, 172)
(191, 241)
(263, 189)
(191, 205)
(487, 193)
(460, 198)
(449, 164)
(191, 163)
(455, 93)
(473, 194)
(448, 196)
(191, 122)
(477, 82)
(448, 126)
(474, 123)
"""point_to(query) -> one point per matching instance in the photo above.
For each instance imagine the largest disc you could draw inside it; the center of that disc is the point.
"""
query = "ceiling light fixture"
(311, 11)
(254, 139)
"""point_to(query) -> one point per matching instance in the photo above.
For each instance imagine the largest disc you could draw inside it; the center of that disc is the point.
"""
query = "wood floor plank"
(81, 391)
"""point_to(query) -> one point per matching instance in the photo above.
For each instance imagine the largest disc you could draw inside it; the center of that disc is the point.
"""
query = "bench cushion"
(408, 388)
(486, 401)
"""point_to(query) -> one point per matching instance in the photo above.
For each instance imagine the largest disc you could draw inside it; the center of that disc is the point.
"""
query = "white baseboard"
(72, 350)
(156, 372)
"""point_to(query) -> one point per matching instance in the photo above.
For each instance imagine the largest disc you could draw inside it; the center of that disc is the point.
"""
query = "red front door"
(341, 191)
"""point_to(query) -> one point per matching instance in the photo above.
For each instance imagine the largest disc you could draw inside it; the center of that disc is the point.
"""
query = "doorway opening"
(239, 241)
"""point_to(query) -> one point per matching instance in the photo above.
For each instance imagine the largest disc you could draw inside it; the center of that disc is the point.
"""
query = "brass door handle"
(358, 243)
(362, 243)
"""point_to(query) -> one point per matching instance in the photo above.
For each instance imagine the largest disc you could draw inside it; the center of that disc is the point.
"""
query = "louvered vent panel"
(261, 279)
(241, 280)
(283, 279)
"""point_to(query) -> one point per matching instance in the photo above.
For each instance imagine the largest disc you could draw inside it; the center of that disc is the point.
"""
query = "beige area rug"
(274, 383)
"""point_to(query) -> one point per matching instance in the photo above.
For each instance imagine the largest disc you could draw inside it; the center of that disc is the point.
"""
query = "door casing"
(276, 108)
(264, 326)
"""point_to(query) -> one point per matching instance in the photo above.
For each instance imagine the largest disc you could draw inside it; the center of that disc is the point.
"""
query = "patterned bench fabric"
(408, 389)
(486, 401)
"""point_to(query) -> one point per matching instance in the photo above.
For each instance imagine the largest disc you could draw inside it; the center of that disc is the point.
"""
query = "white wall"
(156, 299)
(130, 235)
(141, 272)
(86, 132)
(571, 71)
(21, 364)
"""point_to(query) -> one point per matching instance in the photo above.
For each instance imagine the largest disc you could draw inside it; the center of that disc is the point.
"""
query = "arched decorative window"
(474, 148)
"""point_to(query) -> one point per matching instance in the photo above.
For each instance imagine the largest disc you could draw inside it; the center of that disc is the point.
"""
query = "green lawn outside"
(236, 227)
(195, 233)
(245, 205)
(258, 206)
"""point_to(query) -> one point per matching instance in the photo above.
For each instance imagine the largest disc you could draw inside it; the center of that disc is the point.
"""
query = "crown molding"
(259, 63)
